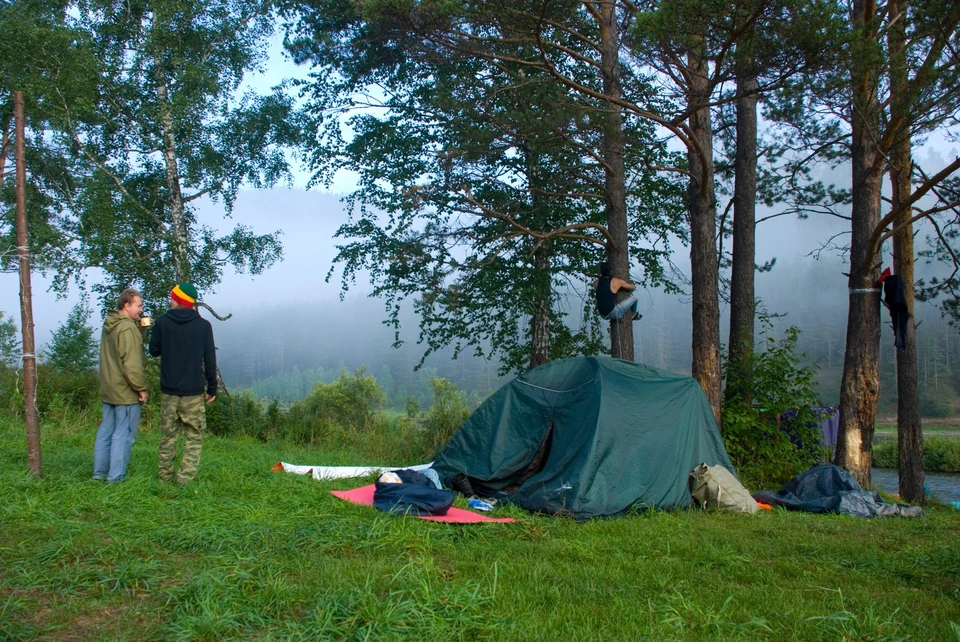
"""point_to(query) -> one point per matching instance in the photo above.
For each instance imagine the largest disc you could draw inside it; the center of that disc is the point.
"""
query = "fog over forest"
(290, 321)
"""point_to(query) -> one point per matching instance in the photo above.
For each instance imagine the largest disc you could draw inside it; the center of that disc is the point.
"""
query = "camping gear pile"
(830, 489)
(407, 491)
(591, 437)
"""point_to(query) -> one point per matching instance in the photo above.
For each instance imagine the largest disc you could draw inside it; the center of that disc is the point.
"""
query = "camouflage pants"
(181, 416)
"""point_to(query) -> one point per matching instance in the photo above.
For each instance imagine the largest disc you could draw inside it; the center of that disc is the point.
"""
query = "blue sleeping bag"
(415, 496)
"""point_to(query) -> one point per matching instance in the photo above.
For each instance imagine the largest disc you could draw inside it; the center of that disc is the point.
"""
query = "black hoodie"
(184, 342)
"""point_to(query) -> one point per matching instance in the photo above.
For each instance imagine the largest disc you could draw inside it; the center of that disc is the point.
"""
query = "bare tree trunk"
(26, 298)
(860, 385)
(742, 296)
(909, 430)
(178, 219)
(621, 330)
(540, 323)
(703, 236)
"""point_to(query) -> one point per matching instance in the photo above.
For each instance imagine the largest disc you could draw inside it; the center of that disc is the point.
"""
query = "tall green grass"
(244, 553)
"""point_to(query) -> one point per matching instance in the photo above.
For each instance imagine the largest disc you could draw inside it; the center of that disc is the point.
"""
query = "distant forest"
(281, 352)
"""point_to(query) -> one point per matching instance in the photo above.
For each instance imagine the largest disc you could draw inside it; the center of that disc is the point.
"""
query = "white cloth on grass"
(345, 472)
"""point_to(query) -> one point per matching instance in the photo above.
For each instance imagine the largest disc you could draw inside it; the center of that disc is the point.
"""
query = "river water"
(943, 486)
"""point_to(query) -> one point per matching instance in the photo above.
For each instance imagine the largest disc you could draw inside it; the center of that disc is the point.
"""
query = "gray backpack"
(716, 487)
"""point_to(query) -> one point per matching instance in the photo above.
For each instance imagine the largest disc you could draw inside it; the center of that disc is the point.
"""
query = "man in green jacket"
(123, 388)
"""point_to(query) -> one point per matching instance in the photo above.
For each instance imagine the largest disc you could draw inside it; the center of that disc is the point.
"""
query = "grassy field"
(244, 553)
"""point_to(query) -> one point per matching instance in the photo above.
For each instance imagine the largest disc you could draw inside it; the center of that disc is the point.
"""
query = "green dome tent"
(588, 437)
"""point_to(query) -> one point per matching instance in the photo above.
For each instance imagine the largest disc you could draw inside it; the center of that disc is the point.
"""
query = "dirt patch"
(51, 617)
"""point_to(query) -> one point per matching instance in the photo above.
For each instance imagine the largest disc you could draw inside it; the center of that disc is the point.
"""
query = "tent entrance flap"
(510, 483)
(536, 464)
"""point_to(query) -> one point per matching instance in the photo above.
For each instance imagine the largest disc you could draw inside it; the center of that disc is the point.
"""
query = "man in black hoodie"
(188, 365)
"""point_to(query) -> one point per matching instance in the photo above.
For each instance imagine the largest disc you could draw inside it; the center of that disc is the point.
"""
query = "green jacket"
(121, 361)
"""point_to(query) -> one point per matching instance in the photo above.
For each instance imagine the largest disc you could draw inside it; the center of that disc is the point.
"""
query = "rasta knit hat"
(184, 294)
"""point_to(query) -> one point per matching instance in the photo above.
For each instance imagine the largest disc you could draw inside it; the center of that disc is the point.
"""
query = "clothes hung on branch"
(895, 298)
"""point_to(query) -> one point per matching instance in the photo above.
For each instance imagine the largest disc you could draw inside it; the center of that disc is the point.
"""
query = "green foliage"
(411, 406)
(67, 380)
(59, 392)
(480, 190)
(11, 391)
(50, 61)
(134, 115)
(940, 454)
(236, 414)
(76, 388)
(170, 126)
(297, 385)
(73, 346)
(10, 355)
(759, 443)
(886, 454)
(448, 412)
(273, 418)
(350, 406)
(388, 384)
(241, 414)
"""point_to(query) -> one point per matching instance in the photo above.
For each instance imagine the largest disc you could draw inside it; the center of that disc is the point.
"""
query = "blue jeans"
(118, 431)
(630, 303)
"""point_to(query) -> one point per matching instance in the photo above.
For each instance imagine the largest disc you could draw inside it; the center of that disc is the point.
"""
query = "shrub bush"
(236, 414)
(940, 455)
(766, 451)
(411, 406)
(448, 412)
(885, 454)
(58, 389)
(349, 407)
(11, 391)
(59, 392)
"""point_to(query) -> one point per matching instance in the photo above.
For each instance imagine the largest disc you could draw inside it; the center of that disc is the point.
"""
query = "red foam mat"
(364, 495)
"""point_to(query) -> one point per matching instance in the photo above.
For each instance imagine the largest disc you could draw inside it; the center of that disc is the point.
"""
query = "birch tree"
(169, 126)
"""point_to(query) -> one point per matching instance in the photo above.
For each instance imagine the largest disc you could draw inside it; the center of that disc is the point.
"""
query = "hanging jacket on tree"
(895, 298)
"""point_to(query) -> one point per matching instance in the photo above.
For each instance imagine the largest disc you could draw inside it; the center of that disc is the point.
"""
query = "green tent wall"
(588, 437)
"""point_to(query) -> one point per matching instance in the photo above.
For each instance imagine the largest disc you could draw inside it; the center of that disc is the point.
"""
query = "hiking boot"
(461, 484)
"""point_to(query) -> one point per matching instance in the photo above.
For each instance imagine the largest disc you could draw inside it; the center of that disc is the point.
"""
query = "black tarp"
(830, 489)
